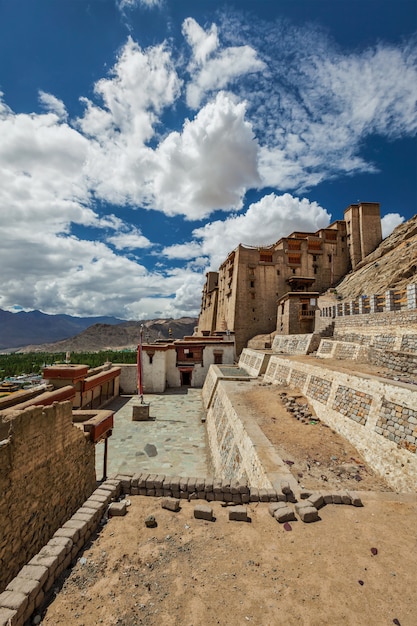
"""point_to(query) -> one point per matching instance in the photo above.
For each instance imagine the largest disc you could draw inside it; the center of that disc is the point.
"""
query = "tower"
(363, 227)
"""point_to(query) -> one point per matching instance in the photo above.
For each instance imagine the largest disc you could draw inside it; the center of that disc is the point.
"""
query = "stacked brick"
(208, 488)
(27, 591)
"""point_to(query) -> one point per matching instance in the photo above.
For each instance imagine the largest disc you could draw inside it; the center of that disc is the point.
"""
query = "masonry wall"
(233, 453)
(47, 470)
(379, 418)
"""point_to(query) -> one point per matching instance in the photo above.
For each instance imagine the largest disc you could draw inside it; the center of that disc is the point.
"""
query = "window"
(329, 256)
(218, 359)
(252, 284)
(265, 257)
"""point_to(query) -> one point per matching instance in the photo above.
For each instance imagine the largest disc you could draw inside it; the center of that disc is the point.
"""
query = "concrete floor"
(173, 442)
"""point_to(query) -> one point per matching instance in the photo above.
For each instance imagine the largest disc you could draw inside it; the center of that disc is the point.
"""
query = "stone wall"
(233, 453)
(254, 362)
(400, 362)
(47, 470)
(378, 417)
(331, 349)
(295, 344)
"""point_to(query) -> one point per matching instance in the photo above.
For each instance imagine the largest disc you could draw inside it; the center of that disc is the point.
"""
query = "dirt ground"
(317, 457)
(355, 566)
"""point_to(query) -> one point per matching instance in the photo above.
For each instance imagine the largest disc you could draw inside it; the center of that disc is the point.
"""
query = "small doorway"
(185, 378)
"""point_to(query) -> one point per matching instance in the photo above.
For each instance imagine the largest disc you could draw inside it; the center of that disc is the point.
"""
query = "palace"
(249, 293)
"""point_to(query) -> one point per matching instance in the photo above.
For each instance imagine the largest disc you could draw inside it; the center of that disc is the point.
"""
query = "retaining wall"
(295, 344)
(330, 349)
(47, 469)
(378, 417)
(254, 362)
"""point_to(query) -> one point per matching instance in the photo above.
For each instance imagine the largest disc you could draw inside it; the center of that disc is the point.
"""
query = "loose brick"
(203, 511)
(238, 514)
(117, 509)
(171, 504)
(284, 514)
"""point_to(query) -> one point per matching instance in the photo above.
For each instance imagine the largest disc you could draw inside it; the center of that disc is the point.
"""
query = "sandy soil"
(317, 456)
(355, 566)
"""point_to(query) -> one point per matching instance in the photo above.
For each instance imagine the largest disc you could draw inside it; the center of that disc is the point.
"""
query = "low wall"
(295, 344)
(400, 362)
(378, 417)
(330, 349)
(47, 469)
(254, 362)
(233, 453)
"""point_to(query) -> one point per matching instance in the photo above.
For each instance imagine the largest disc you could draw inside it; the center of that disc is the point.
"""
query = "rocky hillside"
(119, 337)
(393, 265)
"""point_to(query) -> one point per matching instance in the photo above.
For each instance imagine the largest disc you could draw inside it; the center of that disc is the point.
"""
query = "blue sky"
(142, 140)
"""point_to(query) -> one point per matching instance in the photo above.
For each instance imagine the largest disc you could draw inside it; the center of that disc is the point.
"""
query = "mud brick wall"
(47, 470)
(378, 417)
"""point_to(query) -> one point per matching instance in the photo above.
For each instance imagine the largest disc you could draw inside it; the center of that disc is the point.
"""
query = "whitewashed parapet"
(295, 344)
(330, 349)
(254, 362)
(378, 417)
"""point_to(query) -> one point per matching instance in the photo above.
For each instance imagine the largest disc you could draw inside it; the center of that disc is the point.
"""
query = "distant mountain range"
(37, 332)
(33, 327)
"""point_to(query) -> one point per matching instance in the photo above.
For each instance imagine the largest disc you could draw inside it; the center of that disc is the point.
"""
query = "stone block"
(272, 495)
(274, 506)
(183, 484)
(8, 617)
(159, 481)
(284, 514)
(61, 541)
(142, 481)
(27, 586)
(203, 511)
(316, 500)
(199, 484)
(117, 509)
(171, 504)
(336, 498)
(355, 499)
(307, 513)
(57, 551)
(285, 488)
(305, 494)
(209, 484)
(263, 495)
(238, 514)
(82, 527)
(150, 481)
(38, 573)
(140, 413)
(327, 497)
(254, 495)
(14, 600)
(134, 491)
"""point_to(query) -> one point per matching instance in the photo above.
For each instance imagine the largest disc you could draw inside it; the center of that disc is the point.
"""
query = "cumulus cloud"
(264, 223)
(389, 222)
(210, 164)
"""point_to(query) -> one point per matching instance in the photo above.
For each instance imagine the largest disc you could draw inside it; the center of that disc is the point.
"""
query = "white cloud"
(131, 4)
(208, 166)
(129, 240)
(53, 105)
(389, 222)
(213, 74)
(264, 223)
